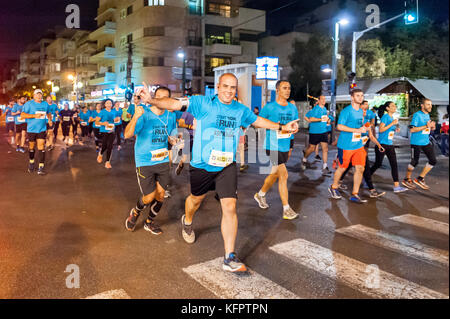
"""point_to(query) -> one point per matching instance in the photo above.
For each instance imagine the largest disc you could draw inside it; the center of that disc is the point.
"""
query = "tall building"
(84, 69)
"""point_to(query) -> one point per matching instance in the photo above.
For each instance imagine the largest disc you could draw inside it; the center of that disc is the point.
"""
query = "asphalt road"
(75, 216)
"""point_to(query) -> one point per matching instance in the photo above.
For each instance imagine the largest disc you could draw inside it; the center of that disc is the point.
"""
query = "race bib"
(365, 139)
(110, 127)
(356, 137)
(41, 114)
(20, 120)
(220, 159)
(281, 135)
(75, 116)
(159, 155)
(10, 119)
(324, 118)
(117, 120)
(391, 135)
(66, 118)
(426, 131)
(83, 123)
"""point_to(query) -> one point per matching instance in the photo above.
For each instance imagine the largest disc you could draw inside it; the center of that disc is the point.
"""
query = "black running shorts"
(223, 182)
(148, 176)
(32, 137)
(315, 139)
(277, 158)
(21, 127)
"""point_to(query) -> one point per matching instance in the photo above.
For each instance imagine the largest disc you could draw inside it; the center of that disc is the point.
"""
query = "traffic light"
(411, 11)
(351, 79)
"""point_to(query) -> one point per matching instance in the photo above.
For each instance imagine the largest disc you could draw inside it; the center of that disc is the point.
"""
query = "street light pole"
(184, 75)
(334, 71)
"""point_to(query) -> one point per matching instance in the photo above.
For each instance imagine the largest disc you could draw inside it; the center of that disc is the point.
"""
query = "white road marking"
(227, 285)
(368, 279)
(423, 222)
(440, 210)
(111, 294)
(398, 244)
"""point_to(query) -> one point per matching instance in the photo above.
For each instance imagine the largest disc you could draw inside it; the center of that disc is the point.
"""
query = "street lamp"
(182, 55)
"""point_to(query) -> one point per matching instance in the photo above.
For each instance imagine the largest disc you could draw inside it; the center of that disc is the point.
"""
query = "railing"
(194, 41)
(232, 41)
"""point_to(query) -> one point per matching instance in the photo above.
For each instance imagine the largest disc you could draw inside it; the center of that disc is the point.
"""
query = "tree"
(371, 61)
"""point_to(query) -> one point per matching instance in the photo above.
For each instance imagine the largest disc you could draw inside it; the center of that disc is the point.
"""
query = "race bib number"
(159, 155)
(324, 118)
(391, 135)
(365, 139)
(220, 159)
(110, 127)
(426, 131)
(281, 135)
(20, 120)
(10, 118)
(117, 120)
(356, 137)
(83, 123)
(41, 114)
(66, 118)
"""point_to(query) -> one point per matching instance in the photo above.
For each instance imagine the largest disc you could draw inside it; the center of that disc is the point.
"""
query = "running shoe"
(261, 200)
(303, 165)
(326, 172)
(99, 158)
(421, 183)
(119, 148)
(108, 165)
(289, 214)
(243, 168)
(318, 158)
(41, 171)
(356, 199)
(343, 186)
(375, 194)
(179, 168)
(408, 183)
(187, 232)
(400, 189)
(17, 149)
(30, 168)
(130, 222)
(233, 264)
(334, 193)
(22, 150)
(152, 227)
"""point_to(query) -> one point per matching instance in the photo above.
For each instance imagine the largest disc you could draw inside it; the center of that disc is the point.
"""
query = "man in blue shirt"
(213, 165)
(420, 128)
(36, 113)
(318, 120)
(155, 130)
(21, 124)
(10, 120)
(118, 124)
(277, 146)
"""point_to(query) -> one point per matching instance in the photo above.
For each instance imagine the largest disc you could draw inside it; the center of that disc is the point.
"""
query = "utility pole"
(184, 76)
(129, 63)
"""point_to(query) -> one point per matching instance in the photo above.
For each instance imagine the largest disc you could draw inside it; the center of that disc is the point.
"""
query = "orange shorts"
(357, 157)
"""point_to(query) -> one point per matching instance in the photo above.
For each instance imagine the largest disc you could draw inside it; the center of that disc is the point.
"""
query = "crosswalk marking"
(111, 294)
(396, 243)
(353, 273)
(440, 210)
(226, 285)
(423, 222)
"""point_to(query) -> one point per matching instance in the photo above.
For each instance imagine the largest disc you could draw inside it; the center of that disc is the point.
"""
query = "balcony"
(108, 27)
(103, 78)
(221, 47)
(102, 54)
(86, 67)
(194, 42)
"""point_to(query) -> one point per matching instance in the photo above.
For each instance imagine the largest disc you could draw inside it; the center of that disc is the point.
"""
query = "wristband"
(184, 103)
(280, 127)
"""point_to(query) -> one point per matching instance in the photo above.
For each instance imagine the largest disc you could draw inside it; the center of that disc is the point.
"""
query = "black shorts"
(292, 144)
(277, 158)
(223, 182)
(21, 127)
(32, 137)
(10, 126)
(315, 139)
(50, 127)
(148, 176)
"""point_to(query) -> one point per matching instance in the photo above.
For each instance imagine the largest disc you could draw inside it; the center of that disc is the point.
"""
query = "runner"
(318, 118)
(52, 108)
(388, 129)
(75, 122)
(105, 119)
(57, 120)
(213, 165)
(84, 123)
(96, 128)
(154, 130)
(66, 116)
(118, 124)
(21, 125)
(36, 111)
(277, 146)
(10, 121)
(420, 128)
(91, 124)
(350, 146)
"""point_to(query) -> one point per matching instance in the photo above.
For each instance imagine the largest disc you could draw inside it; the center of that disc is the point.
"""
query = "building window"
(153, 61)
(154, 31)
(148, 3)
(214, 62)
(129, 10)
(221, 9)
(123, 67)
(123, 14)
(123, 42)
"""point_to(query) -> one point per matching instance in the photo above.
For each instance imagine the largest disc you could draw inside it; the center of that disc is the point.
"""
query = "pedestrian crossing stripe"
(368, 279)
(226, 285)
(397, 244)
(440, 210)
(422, 222)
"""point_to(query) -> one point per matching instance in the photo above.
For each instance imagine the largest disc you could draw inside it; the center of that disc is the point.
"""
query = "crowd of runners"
(212, 129)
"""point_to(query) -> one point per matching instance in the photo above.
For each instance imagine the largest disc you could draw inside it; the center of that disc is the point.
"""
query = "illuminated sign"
(108, 92)
(267, 68)
(96, 93)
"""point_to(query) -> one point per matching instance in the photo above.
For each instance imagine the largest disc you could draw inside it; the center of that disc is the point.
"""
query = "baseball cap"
(38, 91)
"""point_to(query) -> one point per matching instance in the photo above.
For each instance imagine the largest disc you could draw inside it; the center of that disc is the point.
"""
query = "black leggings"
(367, 175)
(55, 129)
(107, 144)
(392, 157)
(84, 130)
(75, 128)
(118, 132)
(429, 153)
(91, 127)
(66, 128)
(98, 136)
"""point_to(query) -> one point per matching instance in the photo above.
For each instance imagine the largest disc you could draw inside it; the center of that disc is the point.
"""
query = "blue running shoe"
(334, 193)
(356, 199)
(233, 264)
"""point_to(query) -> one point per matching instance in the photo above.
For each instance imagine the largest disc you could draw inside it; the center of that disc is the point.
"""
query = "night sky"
(24, 21)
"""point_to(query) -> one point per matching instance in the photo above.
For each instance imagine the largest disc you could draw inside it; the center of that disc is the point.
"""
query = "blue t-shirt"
(132, 107)
(368, 119)
(93, 115)
(421, 138)
(275, 141)
(331, 121)
(84, 118)
(53, 110)
(218, 130)
(9, 117)
(117, 114)
(107, 116)
(317, 127)
(188, 120)
(152, 132)
(387, 137)
(353, 119)
(17, 119)
(36, 125)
